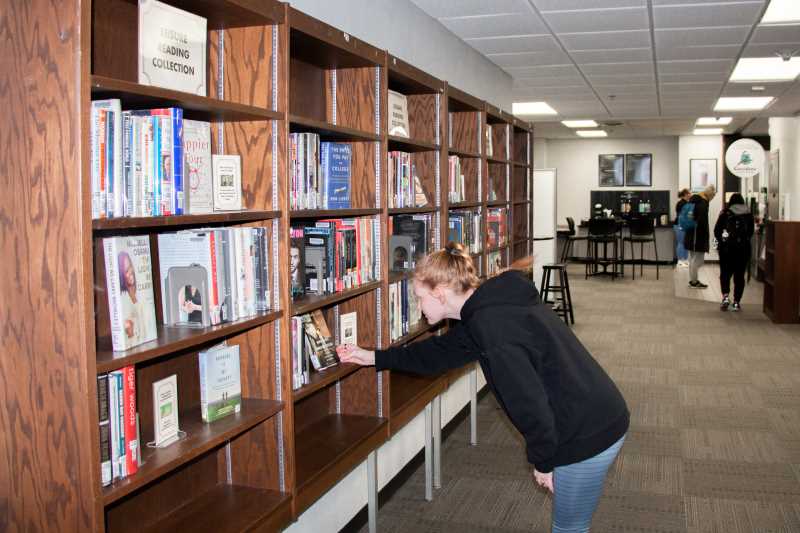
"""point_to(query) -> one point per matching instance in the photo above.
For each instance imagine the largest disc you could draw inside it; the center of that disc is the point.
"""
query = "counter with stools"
(569, 236)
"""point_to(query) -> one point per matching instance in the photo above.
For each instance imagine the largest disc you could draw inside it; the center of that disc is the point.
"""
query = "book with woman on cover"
(319, 341)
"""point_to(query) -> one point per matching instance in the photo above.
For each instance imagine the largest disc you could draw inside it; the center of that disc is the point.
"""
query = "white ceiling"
(655, 65)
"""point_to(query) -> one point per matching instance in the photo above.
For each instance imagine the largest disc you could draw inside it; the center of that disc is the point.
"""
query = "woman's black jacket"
(554, 392)
(697, 239)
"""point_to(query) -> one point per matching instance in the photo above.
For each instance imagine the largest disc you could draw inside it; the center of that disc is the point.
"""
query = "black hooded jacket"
(554, 392)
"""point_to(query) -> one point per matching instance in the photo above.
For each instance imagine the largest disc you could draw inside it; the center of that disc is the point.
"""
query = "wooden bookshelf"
(782, 272)
(521, 190)
(173, 223)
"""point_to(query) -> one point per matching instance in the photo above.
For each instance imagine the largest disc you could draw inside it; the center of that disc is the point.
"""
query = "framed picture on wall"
(702, 173)
(638, 170)
(610, 169)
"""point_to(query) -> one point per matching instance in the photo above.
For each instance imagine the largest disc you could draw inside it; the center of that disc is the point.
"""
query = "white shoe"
(683, 264)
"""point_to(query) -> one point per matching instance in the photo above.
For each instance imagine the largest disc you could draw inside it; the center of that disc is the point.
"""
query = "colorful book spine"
(104, 426)
(129, 414)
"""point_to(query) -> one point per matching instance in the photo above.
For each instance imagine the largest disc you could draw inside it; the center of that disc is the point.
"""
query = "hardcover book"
(220, 382)
(398, 115)
(197, 167)
(227, 171)
(129, 285)
(336, 174)
(297, 261)
(320, 344)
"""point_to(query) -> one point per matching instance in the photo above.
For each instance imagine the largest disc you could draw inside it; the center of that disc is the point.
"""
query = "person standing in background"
(681, 253)
(697, 239)
(733, 230)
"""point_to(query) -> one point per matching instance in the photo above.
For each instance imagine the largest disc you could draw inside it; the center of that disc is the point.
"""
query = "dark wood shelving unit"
(171, 223)
(412, 210)
(200, 438)
(332, 213)
(464, 153)
(410, 145)
(323, 378)
(464, 205)
(420, 328)
(497, 203)
(782, 272)
(328, 131)
(410, 394)
(309, 302)
(396, 275)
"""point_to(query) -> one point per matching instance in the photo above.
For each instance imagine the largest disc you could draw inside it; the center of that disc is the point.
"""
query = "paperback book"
(220, 382)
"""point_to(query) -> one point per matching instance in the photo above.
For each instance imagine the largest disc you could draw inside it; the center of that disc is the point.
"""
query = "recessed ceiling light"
(782, 12)
(758, 88)
(742, 103)
(592, 133)
(714, 121)
(707, 131)
(750, 69)
(532, 108)
(579, 123)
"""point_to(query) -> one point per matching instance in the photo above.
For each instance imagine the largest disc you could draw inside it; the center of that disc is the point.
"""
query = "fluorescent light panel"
(782, 12)
(592, 133)
(579, 123)
(742, 103)
(714, 121)
(760, 69)
(707, 131)
(532, 108)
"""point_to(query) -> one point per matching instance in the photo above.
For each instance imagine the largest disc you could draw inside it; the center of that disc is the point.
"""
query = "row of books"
(411, 239)
(496, 227)
(456, 188)
(495, 262)
(405, 186)
(465, 227)
(497, 187)
(320, 173)
(333, 255)
(118, 424)
(312, 347)
(404, 310)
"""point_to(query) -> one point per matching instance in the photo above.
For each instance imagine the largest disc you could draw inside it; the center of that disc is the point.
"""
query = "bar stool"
(641, 232)
(570, 236)
(602, 231)
(562, 297)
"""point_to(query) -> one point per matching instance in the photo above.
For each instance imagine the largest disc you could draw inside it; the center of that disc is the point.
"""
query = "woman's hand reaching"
(353, 354)
(544, 480)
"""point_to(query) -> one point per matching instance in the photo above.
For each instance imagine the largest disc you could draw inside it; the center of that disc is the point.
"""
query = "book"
(172, 48)
(116, 412)
(130, 420)
(220, 382)
(227, 172)
(335, 167)
(398, 114)
(104, 426)
(320, 346)
(348, 328)
(297, 261)
(129, 287)
(197, 167)
(420, 196)
(165, 411)
(110, 162)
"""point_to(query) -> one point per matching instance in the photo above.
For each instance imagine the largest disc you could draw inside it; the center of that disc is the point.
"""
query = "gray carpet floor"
(714, 444)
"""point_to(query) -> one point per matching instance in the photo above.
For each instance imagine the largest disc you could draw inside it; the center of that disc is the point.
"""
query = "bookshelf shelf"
(171, 340)
(497, 203)
(171, 223)
(410, 145)
(332, 213)
(411, 210)
(464, 153)
(420, 329)
(328, 131)
(136, 96)
(201, 438)
(328, 448)
(464, 205)
(395, 275)
(410, 394)
(230, 509)
(520, 164)
(497, 161)
(320, 380)
(309, 303)
(497, 249)
(521, 202)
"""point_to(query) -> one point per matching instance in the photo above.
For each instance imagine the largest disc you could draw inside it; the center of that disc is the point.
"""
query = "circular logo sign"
(745, 158)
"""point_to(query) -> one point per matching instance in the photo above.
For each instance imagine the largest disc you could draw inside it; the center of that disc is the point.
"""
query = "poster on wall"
(702, 173)
(610, 169)
(638, 170)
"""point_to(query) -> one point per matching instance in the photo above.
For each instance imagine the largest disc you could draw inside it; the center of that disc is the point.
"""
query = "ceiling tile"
(588, 20)
(680, 2)
(745, 89)
(693, 77)
(676, 53)
(547, 81)
(759, 126)
(529, 59)
(576, 91)
(606, 40)
(503, 24)
(706, 16)
(560, 5)
(700, 65)
(617, 68)
(583, 57)
(668, 38)
(695, 87)
(606, 79)
(448, 8)
(776, 34)
(518, 43)
(544, 71)
(769, 50)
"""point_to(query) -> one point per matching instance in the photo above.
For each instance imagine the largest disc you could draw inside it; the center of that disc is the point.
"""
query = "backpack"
(686, 218)
(734, 235)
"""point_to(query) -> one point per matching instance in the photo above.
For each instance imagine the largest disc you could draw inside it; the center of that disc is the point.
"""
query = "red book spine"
(131, 437)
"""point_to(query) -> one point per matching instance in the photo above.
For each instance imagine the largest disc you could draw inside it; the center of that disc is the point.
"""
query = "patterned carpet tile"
(641, 392)
(646, 473)
(693, 361)
(788, 380)
(781, 399)
(656, 414)
(771, 483)
(785, 422)
(791, 447)
(707, 515)
(720, 377)
(742, 446)
(649, 376)
(719, 396)
(649, 440)
(726, 418)
(624, 512)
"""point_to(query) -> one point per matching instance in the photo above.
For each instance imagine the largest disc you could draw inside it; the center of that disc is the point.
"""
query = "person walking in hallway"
(569, 411)
(733, 230)
(680, 250)
(697, 234)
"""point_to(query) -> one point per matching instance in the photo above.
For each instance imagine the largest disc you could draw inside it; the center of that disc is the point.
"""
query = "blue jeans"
(680, 251)
(577, 489)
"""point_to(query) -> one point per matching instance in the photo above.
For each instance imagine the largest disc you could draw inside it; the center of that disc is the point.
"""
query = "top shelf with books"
(413, 107)
(175, 222)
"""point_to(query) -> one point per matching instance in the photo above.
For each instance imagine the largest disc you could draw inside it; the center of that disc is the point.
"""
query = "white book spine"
(118, 339)
(203, 361)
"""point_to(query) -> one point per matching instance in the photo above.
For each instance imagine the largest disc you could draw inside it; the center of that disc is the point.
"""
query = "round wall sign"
(745, 158)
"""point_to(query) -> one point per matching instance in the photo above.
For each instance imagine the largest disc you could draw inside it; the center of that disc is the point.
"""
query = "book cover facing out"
(197, 166)
(220, 382)
(337, 160)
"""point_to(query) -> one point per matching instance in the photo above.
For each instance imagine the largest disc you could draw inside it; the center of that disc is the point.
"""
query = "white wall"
(409, 33)
(576, 162)
(540, 153)
(785, 136)
(702, 147)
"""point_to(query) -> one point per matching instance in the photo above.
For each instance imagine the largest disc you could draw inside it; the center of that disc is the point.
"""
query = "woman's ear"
(438, 293)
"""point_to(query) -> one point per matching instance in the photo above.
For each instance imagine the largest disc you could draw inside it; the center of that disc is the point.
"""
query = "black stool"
(602, 231)
(569, 236)
(562, 300)
(641, 231)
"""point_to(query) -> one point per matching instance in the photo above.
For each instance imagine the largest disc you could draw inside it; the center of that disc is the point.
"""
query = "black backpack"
(735, 234)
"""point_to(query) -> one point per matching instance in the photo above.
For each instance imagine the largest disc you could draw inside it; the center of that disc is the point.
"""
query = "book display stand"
(272, 71)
